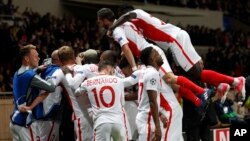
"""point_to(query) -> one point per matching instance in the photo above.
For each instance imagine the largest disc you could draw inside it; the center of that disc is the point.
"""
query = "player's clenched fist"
(157, 136)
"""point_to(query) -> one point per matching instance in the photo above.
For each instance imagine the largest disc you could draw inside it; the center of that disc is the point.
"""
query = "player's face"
(127, 71)
(103, 23)
(156, 57)
(33, 58)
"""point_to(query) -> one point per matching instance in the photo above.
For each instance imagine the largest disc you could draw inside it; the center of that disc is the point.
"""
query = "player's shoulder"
(78, 67)
(151, 72)
(119, 29)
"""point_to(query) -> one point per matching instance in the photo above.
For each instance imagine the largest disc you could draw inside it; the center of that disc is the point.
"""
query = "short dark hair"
(110, 55)
(145, 55)
(104, 63)
(25, 50)
(124, 62)
(106, 13)
(124, 9)
(92, 58)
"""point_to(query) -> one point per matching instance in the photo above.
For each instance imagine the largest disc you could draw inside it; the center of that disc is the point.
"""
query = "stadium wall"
(40, 6)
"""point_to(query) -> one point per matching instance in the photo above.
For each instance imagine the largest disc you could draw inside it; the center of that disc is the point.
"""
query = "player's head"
(66, 54)
(106, 67)
(150, 56)
(29, 56)
(55, 58)
(111, 56)
(124, 9)
(105, 17)
(90, 56)
(125, 66)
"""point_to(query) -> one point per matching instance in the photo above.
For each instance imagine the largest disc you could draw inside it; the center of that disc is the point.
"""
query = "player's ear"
(26, 58)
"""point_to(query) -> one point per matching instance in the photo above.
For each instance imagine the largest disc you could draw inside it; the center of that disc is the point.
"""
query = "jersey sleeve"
(77, 79)
(152, 81)
(81, 89)
(119, 36)
(132, 79)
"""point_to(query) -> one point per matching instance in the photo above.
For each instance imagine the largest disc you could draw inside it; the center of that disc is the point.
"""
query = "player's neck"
(69, 62)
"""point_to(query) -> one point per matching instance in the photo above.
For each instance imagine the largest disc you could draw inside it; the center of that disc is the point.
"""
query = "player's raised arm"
(129, 56)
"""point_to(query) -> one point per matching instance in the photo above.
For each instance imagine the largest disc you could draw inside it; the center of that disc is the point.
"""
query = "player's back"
(154, 28)
(106, 95)
(91, 70)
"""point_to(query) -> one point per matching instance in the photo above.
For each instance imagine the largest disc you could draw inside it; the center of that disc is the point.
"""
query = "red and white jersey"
(127, 33)
(154, 28)
(106, 95)
(71, 97)
(149, 79)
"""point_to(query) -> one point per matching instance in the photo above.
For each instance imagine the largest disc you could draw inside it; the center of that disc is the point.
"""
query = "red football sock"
(183, 81)
(187, 94)
(215, 78)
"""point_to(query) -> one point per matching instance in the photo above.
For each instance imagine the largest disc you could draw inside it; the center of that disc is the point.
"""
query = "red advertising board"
(221, 134)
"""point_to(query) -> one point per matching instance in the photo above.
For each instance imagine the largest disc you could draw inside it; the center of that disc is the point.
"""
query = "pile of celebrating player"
(115, 98)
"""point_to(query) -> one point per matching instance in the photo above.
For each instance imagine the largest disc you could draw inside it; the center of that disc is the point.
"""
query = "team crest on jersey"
(119, 39)
(133, 76)
(153, 81)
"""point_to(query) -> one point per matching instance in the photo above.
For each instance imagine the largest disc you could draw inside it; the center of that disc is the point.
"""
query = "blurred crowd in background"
(229, 54)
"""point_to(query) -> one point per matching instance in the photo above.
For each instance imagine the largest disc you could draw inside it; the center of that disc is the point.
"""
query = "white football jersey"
(129, 34)
(71, 97)
(106, 95)
(154, 28)
(90, 70)
(148, 80)
(80, 73)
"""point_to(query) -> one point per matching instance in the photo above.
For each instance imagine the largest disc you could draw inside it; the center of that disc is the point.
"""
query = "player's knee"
(196, 70)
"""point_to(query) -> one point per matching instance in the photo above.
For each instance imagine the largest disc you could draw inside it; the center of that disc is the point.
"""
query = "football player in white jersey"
(131, 97)
(171, 111)
(178, 41)
(47, 125)
(106, 95)
(112, 56)
(149, 96)
(129, 37)
(75, 74)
